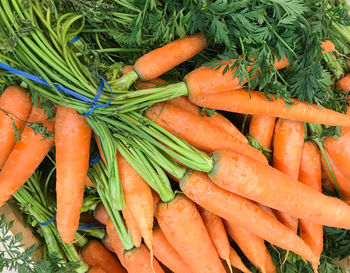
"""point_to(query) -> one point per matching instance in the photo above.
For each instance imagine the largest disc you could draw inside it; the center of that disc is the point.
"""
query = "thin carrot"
(236, 261)
(138, 198)
(217, 234)
(243, 212)
(255, 103)
(149, 84)
(73, 135)
(163, 59)
(166, 254)
(96, 270)
(132, 226)
(183, 227)
(262, 128)
(197, 131)
(310, 174)
(88, 182)
(16, 102)
(95, 254)
(113, 240)
(101, 214)
(247, 177)
(26, 156)
(252, 246)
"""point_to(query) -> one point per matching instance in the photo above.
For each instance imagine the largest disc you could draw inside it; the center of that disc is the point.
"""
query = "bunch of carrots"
(245, 197)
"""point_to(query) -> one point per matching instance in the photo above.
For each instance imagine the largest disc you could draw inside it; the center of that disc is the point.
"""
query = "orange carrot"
(132, 226)
(73, 135)
(217, 234)
(149, 84)
(327, 46)
(96, 270)
(163, 59)
(243, 212)
(113, 239)
(310, 174)
(262, 128)
(237, 262)
(166, 254)
(255, 103)
(101, 214)
(344, 83)
(95, 254)
(88, 182)
(251, 179)
(252, 246)
(127, 69)
(138, 198)
(17, 103)
(26, 156)
(197, 131)
(183, 227)
(156, 199)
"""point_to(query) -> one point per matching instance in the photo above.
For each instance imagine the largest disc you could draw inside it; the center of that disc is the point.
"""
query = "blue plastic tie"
(95, 160)
(90, 226)
(74, 39)
(48, 222)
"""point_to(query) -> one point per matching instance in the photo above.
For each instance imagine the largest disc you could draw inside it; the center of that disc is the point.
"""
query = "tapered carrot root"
(101, 214)
(262, 128)
(114, 241)
(255, 103)
(166, 254)
(95, 254)
(73, 135)
(132, 226)
(243, 212)
(163, 59)
(252, 246)
(236, 261)
(183, 227)
(251, 179)
(197, 131)
(88, 182)
(17, 103)
(26, 156)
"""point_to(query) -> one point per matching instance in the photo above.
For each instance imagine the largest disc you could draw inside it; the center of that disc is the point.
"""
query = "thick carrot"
(132, 226)
(163, 59)
(255, 103)
(113, 240)
(310, 174)
(243, 212)
(101, 214)
(16, 102)
(73, 136)
(197, 131)
(217, 234)
(262, 128)
(138, 198)
(138, 260)
(236, 261)
(95, 254)
(344, 83)
(166, 254)
(183, 227)
(207, 81)
(264, 184)
(26, 156)
(88, 182)
(96, 270)
(252, 246)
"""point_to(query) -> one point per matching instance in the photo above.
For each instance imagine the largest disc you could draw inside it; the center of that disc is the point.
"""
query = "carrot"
(113, 239)
(344, 83)
(107, 243)
(138, 198)
(73, 135)
(183, 227)
(88, 182)
(236, 261)
(26, 156)
(96, 270)
(138, 260)
(166, 254)
(127, 69)
(251, 179)
(207, 81)
(243, 212)
(252, 246)
(132, 226)
(197, 131)
(310, 174)
(156, 199)
(262, 128)
(163, 59)
(101, 214)
(17, 103)
(149, 84)
(327, 46)
(95, 254)
(267, 210)
(255, 103)
(217, 234)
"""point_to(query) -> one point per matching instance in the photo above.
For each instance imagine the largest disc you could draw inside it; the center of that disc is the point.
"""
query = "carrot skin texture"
(166, 254)
(344, 83)
(101, 214)
(242, 212)
(73, 136)
(236, 261)
(251, 179)
(197, 131)
(252, 246)
(95, 254)
(262, 128)
(16, 102)
(116, 243)
(255, 103)
(108, 244)
(26, 156)
(88, 182)
(183, 227)
(163, 59)
(132, 226)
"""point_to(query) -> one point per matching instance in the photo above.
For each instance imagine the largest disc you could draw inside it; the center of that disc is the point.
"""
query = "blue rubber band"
(94, 160)
(74, 39)
(90, 226)
(48, 222)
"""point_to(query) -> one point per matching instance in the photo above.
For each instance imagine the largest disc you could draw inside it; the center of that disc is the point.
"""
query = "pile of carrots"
(245, 198)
